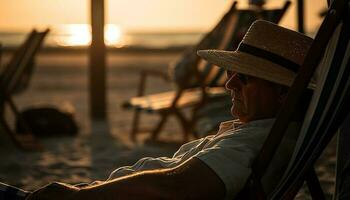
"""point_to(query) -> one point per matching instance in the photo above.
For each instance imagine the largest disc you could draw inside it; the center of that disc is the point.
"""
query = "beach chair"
(12, 78)
(7, 71)
(329, 107)
(197, 82)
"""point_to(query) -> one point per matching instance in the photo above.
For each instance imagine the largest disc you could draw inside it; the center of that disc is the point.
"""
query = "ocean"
(78, 35)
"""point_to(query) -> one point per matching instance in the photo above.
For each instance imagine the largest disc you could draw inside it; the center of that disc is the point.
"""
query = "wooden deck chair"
(9, 69)
(202, 81)
(10, 77)
(326, 113)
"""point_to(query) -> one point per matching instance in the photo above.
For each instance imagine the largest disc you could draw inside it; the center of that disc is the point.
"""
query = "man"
(217, 166)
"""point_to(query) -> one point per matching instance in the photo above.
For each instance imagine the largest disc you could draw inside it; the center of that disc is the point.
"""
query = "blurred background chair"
(14, 78)
(198, 83)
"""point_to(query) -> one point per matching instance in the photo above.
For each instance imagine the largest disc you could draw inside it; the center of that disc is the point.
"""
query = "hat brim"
(250, 65)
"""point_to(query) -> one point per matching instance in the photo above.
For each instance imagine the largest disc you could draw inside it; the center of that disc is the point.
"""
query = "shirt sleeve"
(231, 158)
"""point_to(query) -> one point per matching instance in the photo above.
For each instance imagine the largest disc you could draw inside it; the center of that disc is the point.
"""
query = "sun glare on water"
(80, 35)
(113, 35)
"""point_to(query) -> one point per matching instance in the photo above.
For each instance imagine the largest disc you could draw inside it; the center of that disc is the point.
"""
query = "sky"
(141, 15)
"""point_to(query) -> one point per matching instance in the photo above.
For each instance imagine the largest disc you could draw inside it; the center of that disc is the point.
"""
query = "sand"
(61, 80)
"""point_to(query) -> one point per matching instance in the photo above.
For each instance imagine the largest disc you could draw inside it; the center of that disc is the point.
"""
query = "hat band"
(272, 57)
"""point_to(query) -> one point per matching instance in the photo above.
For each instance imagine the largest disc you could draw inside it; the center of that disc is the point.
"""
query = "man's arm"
(191, 180)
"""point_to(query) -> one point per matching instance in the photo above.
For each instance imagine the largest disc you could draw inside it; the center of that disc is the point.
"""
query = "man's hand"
(54, 191)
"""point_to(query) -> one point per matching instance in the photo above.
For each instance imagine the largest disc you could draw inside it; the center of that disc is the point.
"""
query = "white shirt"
(229, 154)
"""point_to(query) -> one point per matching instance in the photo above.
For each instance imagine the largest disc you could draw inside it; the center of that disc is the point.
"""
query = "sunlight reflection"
(113, 35)
(80, 35)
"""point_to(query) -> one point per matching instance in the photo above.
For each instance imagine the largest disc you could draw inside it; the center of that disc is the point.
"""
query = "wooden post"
(97, 69)
(300, 16)
(2, 103)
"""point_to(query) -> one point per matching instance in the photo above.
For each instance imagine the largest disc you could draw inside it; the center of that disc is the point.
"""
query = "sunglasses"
(241, 77)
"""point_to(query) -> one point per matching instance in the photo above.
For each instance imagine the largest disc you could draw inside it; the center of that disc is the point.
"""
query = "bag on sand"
(47, 122)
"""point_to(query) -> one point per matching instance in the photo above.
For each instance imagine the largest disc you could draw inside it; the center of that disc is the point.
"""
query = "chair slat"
(159, 102)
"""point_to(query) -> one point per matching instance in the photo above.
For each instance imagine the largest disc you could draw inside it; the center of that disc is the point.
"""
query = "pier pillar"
(97, 62)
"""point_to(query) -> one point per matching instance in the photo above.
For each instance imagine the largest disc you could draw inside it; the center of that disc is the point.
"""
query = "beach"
(61, 80)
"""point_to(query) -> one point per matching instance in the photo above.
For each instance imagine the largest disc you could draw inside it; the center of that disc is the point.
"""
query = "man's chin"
(236, 113)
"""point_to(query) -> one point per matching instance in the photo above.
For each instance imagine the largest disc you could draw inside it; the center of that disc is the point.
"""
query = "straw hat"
(267, 51)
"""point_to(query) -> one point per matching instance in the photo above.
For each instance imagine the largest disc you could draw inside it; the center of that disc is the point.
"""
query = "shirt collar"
(233, 124)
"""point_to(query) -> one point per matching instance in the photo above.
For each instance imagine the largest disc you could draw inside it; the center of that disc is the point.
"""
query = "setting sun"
(80, 35)
(113, 35)
(77, 35)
